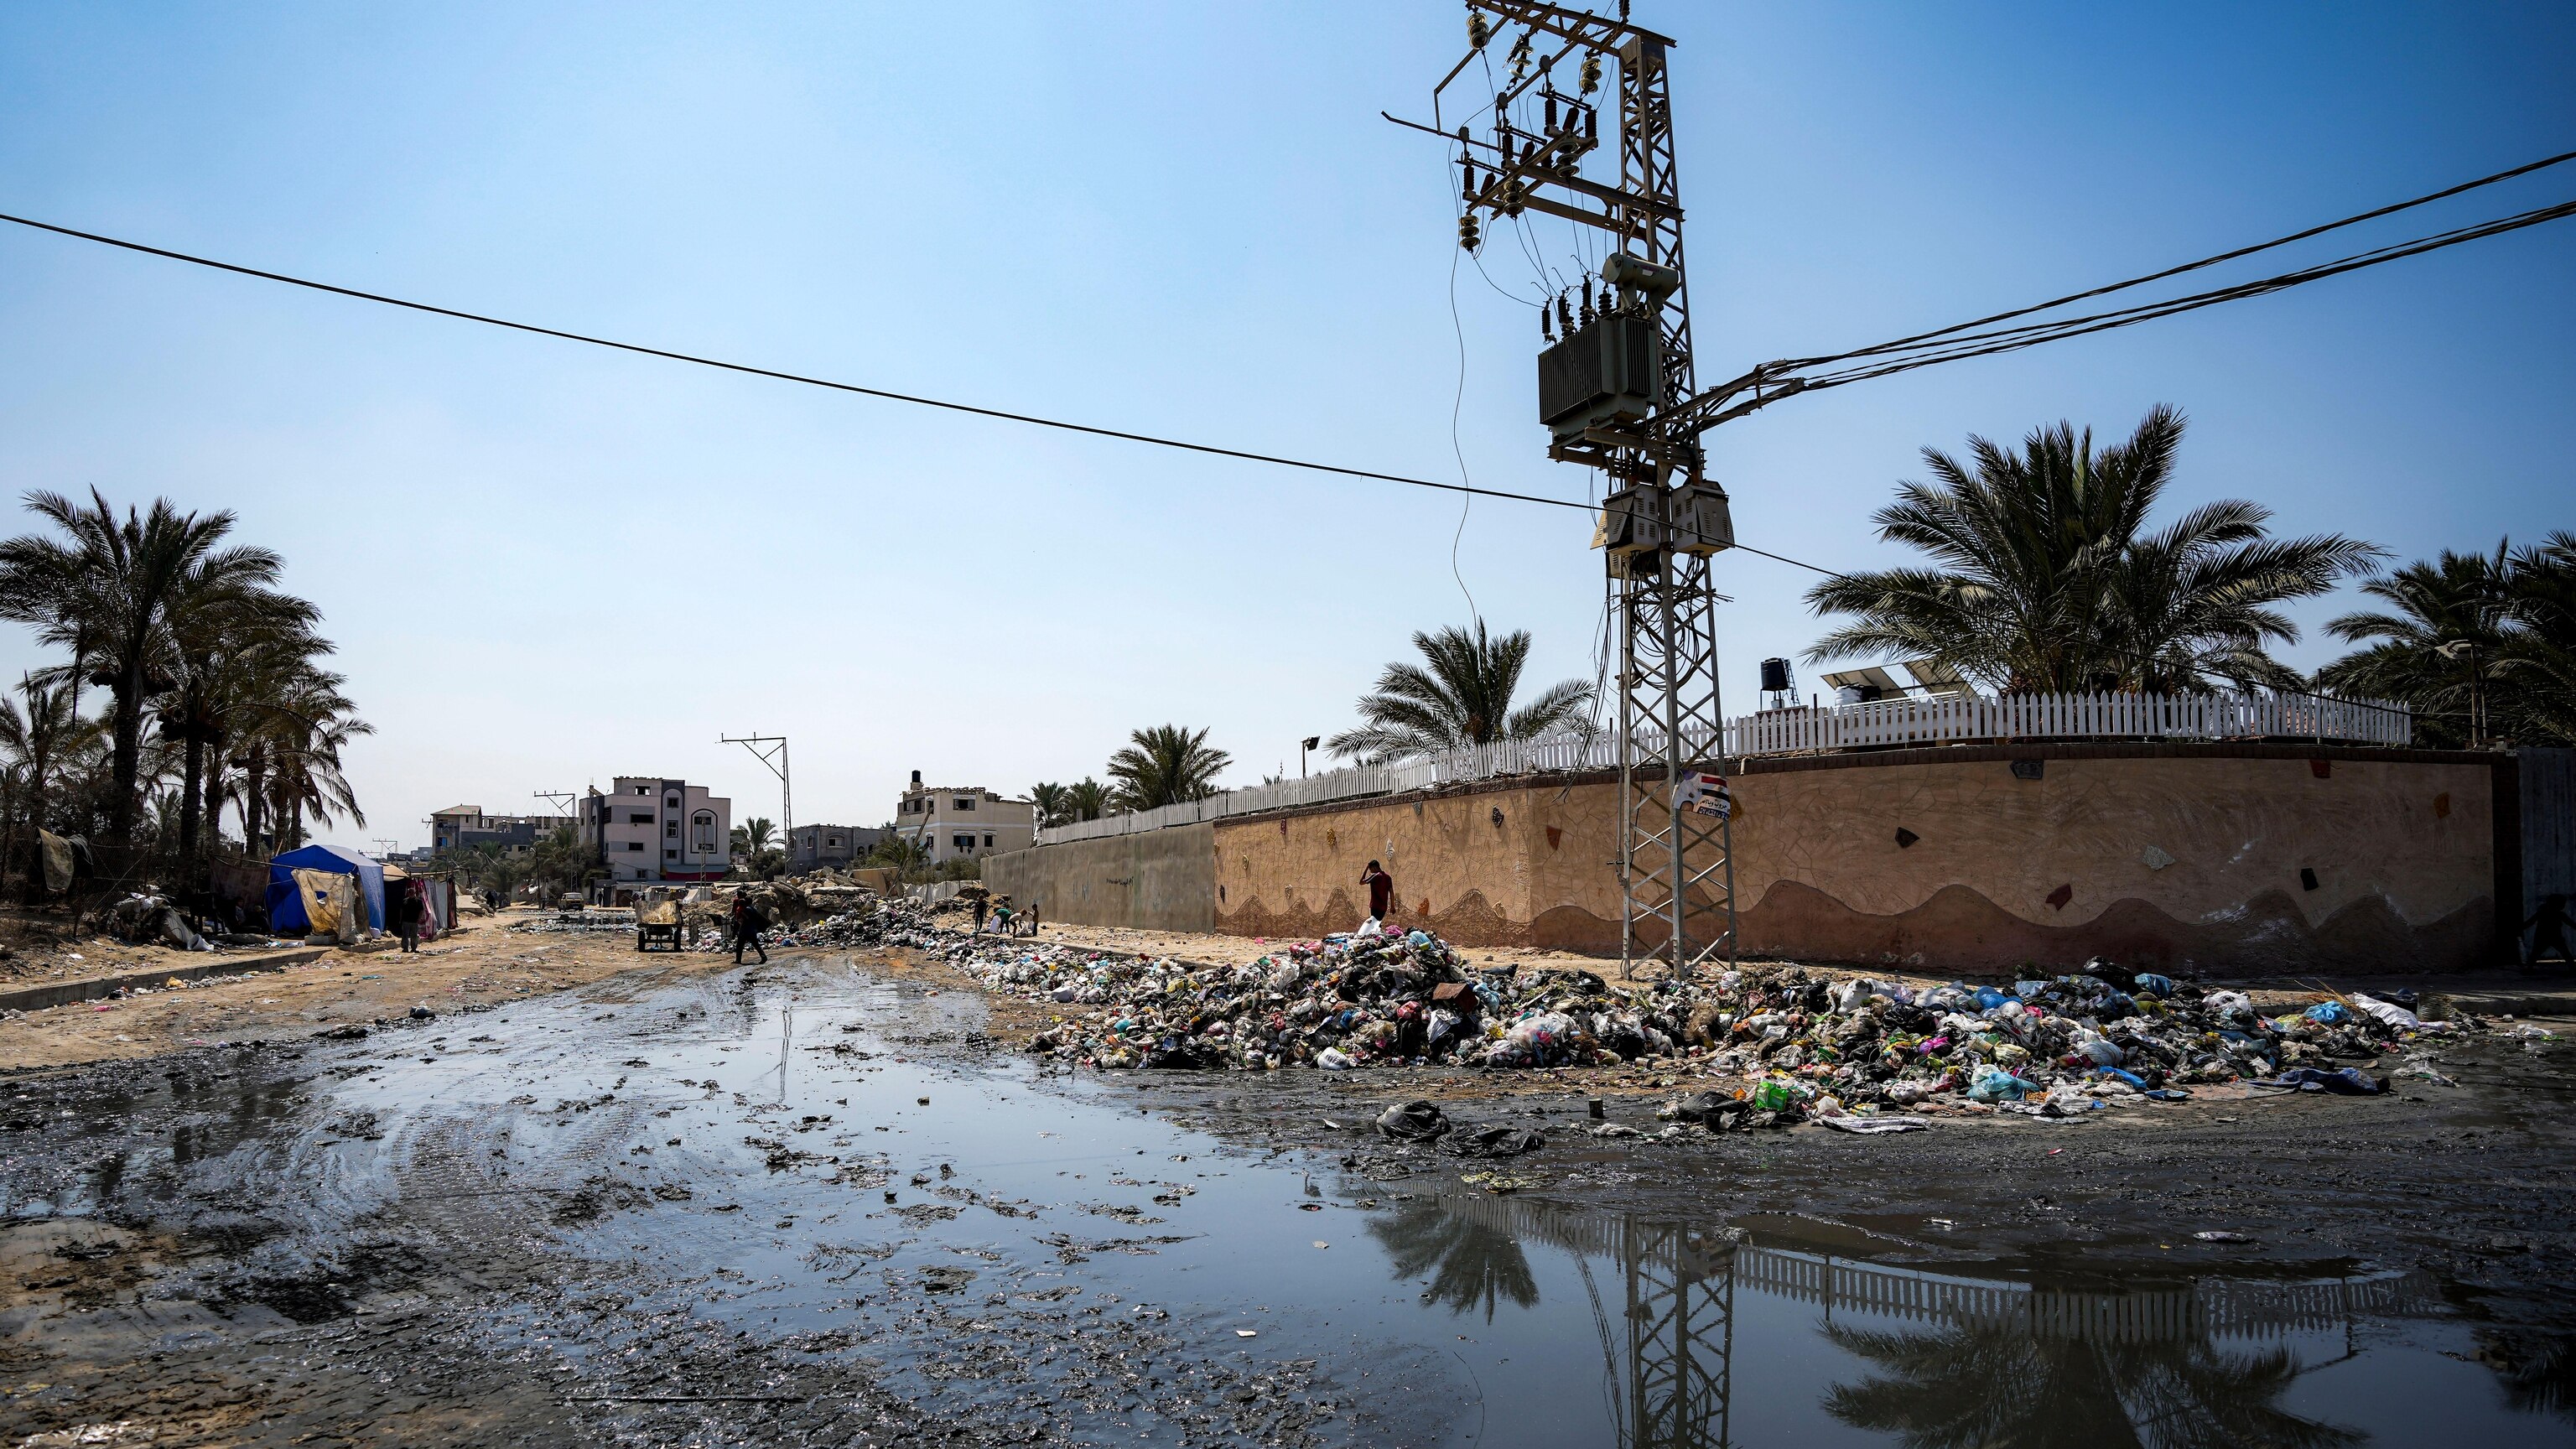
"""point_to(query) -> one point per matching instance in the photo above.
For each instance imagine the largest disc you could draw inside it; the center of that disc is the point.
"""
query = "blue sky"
(547, 565)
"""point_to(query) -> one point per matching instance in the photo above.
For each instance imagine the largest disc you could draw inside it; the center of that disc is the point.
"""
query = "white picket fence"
(1885, 723)
(2071, 717)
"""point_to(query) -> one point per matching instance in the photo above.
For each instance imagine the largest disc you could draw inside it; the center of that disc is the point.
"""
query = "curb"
(37, 998)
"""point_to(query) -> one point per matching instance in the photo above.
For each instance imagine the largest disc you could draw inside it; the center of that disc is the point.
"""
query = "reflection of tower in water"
(2149, 1352)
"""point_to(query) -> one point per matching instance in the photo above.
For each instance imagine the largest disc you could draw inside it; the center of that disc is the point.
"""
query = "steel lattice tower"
(1675, 861)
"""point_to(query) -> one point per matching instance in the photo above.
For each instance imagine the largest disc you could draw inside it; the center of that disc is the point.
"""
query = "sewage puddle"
(804, 1151)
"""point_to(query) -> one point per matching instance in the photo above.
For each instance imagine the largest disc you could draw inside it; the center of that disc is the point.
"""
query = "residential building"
(958, 823)
(814, 847)
(650, 829)
(463, 827)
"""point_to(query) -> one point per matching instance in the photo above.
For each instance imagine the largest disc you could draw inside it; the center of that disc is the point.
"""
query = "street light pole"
(1308, 743)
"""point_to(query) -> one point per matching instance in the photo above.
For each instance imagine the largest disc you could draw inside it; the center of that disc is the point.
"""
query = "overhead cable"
(780, 376)
(2226, 256)
(1894, 358)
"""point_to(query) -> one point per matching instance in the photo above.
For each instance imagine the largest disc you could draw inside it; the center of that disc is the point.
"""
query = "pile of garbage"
(149, 918)
(1810, 1045)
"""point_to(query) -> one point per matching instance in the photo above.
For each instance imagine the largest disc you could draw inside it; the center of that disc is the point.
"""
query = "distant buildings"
(959, 823)
(463, 827)
(815, 847)
(646, 829)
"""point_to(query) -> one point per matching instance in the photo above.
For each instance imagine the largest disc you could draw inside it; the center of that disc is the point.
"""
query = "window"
(635, 845)
(670, 830)
(705, 829)
(964, 802)
(962, 842)
(988, 842)
(670, 854)
(671, 800)
(639, 817)
(643, 790)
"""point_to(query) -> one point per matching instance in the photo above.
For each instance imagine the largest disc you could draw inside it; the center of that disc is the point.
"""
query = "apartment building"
(815, 847)
(955, 823)
(646, 829)
(463, 827)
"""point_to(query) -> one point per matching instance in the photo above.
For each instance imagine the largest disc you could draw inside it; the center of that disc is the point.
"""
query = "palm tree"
(2440, 645)
(232, 650)
(33, 742)
(1050, 802)
(2482, 645)
(1460, 695)
(754, 837)
(2044, 581)
(1086, 799)
(2542, 702)
(112, 588)
(292, 764)
(1165, 765)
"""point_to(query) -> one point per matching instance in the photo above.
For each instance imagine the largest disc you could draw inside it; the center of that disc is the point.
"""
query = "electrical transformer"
(1608, 370)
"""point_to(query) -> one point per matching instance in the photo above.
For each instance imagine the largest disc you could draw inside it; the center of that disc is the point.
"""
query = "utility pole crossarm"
(776, 760)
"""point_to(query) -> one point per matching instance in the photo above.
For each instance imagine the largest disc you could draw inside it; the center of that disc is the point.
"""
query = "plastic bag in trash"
(1493, 1140)
(1413, 1122)
(1994, 1084)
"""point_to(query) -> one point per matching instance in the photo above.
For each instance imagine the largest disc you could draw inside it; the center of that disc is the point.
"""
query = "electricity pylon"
(1606, 391)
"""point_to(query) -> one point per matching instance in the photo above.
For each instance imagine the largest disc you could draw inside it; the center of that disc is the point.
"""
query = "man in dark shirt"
(746, 929)
(407, 911)
(1381, 889)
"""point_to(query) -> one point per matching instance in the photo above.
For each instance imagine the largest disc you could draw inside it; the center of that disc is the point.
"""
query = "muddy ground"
(513, 1224)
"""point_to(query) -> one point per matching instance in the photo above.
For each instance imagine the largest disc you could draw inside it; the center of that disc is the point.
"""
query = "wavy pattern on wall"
(1959, 929)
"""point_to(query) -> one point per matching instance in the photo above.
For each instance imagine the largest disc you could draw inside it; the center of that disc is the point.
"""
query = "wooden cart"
(658, 921)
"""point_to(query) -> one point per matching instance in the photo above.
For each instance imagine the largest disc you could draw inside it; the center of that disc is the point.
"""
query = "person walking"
(1381, 889)
(407, 907)
(746, 928)
(983, 906)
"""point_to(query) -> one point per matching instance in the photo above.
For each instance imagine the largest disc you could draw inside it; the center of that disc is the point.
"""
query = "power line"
(2226, 256)
(777, 375)
(2013, 339)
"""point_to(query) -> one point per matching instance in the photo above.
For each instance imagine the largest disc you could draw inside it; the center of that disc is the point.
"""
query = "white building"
(649, 829)
(957, 823)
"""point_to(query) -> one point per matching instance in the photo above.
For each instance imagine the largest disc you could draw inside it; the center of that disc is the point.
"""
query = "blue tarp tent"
(286, 908)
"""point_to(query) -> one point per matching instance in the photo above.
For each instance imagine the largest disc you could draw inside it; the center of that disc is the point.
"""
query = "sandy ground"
(480, 964)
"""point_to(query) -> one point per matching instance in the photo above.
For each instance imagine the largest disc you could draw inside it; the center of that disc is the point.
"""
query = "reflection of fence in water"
(1671, 1377)
(2228, 1307)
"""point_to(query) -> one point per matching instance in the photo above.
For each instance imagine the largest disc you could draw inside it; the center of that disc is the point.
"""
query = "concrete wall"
(1162, 880)
(2180, 856)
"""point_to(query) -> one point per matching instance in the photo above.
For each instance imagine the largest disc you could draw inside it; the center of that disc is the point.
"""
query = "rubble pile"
(594, 918)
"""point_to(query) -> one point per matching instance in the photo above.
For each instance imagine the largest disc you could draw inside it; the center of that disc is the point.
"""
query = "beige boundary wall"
(2224, 857)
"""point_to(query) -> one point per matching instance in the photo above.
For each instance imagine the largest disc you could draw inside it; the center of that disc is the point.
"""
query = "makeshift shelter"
(291, 904)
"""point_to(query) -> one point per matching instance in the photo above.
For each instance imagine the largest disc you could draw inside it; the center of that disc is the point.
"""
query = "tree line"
(188, 683)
